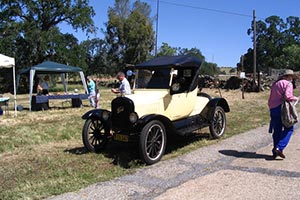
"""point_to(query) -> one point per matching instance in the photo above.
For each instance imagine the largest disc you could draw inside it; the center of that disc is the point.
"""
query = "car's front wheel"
(218, 123)
(152, 143)
(93, 135)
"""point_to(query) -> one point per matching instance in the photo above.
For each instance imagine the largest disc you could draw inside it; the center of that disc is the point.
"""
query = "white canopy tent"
(8, 62)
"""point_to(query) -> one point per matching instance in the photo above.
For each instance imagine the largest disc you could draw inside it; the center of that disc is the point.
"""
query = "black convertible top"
(171, 61)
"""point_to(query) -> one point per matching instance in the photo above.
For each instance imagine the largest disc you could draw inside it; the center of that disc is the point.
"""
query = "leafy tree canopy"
(129, 32)
(29, 30)
(278, 44)
(206, 68)
(166, 50)
(96, 56)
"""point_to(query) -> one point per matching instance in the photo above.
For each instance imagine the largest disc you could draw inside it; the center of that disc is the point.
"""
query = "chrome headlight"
(133, 117)
(105, 115)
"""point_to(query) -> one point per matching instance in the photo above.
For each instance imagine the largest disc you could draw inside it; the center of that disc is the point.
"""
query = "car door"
(180, 105)
(180, 102)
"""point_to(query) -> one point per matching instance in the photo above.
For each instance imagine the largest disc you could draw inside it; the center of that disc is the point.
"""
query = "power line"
(206, 9)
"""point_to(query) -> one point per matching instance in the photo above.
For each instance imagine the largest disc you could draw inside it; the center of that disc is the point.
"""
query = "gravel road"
(239, 167)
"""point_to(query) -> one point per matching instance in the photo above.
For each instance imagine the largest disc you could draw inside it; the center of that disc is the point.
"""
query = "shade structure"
(9, 62)
(49, 67)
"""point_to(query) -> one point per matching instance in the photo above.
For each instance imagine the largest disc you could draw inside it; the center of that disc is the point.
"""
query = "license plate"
(122, 138)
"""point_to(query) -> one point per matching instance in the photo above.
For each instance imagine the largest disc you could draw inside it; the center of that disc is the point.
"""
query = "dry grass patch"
(53, 168)
(41, 153)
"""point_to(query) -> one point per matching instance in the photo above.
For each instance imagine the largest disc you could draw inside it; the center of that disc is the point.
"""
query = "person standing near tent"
(36, 84)
(97, 92)
(92, 90)
(44, 85)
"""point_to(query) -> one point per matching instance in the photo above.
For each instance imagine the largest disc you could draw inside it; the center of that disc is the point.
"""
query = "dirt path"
(236, 168)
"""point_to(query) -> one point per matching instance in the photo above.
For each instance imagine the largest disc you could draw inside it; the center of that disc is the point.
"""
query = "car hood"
(148, 102)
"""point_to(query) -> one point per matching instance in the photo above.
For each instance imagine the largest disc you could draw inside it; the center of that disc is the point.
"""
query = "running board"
(190, 124)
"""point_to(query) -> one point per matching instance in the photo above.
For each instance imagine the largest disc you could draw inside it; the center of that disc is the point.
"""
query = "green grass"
(41, 153)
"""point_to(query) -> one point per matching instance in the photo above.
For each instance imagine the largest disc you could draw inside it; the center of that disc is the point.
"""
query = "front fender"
(209, 109)
(147, 118)
(94, 114)
(219, 102)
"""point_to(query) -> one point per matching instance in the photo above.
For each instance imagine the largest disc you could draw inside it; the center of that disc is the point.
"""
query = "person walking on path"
(281, 134)
(91, 90)
(124, 88)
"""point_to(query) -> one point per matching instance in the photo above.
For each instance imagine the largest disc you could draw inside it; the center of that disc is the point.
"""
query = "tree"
(96, 56)
(129, 32)
(290, 57)
(29, 29)
(206, 68)
(277, 44)
(166, 50)
(192, 52)
(139, 38)
(248, 61)
(292, 33)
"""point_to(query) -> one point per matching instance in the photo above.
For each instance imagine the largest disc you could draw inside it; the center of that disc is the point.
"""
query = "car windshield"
(153, 79)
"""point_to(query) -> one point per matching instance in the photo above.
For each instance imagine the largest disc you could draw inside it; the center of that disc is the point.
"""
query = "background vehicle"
(165, 101)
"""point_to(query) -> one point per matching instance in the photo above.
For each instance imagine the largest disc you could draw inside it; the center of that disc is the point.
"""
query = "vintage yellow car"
(165, 101)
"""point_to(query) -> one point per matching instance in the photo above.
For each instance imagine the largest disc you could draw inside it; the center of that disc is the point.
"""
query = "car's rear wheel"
(152, 142)
(93, 135)
(218, 123)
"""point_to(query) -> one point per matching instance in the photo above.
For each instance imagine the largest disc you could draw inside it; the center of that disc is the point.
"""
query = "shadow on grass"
(122, 154)
(60, 107)
(245, 154)
(127, 155)
(50, 108)
(77, 151)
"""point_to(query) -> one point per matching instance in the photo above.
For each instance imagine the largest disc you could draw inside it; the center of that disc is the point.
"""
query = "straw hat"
(288, 72)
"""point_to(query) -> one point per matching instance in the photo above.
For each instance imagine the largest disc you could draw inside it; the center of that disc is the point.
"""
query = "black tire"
(153, 140)
(218, 123)
(93, 135)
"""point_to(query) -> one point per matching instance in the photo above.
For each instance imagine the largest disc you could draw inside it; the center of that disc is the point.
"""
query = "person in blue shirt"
(124, 88)
(92, 90)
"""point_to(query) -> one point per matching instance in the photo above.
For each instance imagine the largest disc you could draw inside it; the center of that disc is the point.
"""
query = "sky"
(217, 27)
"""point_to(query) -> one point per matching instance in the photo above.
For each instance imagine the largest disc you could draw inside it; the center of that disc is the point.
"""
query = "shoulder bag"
(289, 115)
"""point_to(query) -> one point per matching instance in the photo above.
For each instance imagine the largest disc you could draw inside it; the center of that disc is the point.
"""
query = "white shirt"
(125, 87)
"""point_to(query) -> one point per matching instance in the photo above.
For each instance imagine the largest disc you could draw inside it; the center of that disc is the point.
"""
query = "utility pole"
(243, 77)
(254, 49)
(156, 32)
(242, 63)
